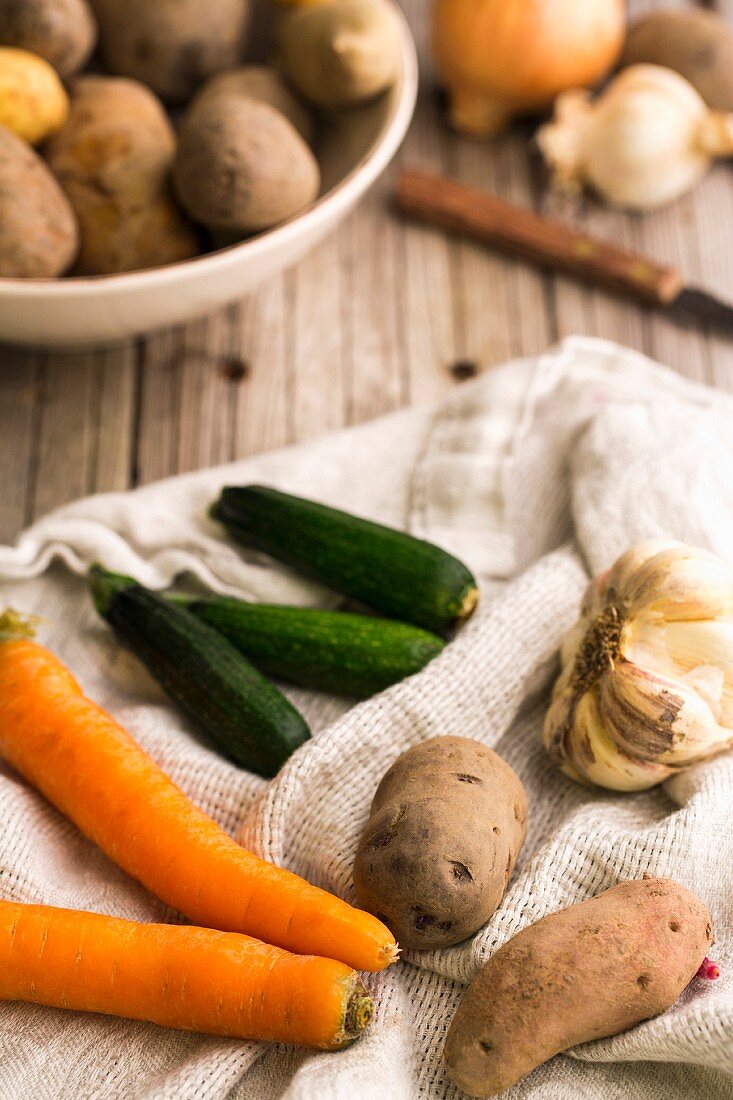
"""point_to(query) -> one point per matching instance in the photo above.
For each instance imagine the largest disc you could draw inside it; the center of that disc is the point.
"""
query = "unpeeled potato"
(63, 32)
(113, 159)
(33, 103)
(430, 877)
(39, 236)
(697, 44)
(264, 84)
(173, 46)
(339, 53)
(241, 166)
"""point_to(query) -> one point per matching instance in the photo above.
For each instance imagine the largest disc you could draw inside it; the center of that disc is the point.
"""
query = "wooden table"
(382, 315)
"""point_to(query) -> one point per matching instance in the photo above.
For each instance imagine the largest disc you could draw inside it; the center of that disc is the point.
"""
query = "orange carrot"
(98, 776)
(183, 977)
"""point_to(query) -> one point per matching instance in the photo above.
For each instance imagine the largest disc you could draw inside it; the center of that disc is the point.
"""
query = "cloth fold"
(537, 475)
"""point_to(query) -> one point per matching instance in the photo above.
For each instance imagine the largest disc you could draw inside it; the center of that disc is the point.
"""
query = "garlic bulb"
(646, 686)
(645, 141)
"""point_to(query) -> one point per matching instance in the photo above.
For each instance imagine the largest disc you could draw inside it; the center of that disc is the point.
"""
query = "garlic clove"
(679, 583)
(628, 565)
(658, 719)
(593, 757)
(578, 743)
(700, 652)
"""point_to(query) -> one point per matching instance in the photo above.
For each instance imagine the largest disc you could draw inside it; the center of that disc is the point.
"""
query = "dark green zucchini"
(353, 655)
(402, 577)
(214, 685)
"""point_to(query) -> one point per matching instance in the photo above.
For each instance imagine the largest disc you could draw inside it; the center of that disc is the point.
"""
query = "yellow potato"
(33, 103)
(113, 159)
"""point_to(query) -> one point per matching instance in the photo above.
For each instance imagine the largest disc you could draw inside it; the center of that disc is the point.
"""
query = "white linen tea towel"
(538, 474)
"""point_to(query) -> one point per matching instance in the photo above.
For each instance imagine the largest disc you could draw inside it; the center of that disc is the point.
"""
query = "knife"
(517, 231)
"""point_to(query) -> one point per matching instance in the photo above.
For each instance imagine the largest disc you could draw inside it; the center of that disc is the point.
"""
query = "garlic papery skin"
(646, 681)
(645, 141)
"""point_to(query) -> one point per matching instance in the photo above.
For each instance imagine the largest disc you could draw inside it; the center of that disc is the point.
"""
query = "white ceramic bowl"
(76, 312)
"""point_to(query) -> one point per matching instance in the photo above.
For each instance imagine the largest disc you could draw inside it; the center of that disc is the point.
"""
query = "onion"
(500, 58)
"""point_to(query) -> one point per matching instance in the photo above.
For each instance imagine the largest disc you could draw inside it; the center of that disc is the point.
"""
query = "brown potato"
(267, 86)
(587, 972)
(698, 44)
(447, 824)
(113, 160)
(63, 32)
(173, 46)
(339, 53)
(39, 236)
(241, 166)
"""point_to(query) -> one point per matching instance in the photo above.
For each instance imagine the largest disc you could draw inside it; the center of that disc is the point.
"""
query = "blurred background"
(383, 314)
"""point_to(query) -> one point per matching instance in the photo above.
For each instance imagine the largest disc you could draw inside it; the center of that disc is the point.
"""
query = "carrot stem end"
(13, 625)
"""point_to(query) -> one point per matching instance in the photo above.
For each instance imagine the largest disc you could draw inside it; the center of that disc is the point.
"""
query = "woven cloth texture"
(538, 475)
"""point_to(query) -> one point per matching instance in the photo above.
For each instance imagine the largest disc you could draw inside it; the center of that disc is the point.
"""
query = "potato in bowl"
(352, 148)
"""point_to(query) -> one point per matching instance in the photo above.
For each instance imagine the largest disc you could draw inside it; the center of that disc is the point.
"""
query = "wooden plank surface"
(381, 315)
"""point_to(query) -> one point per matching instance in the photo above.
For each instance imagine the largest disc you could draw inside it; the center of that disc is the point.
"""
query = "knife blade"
(696, 303)
(550, 244)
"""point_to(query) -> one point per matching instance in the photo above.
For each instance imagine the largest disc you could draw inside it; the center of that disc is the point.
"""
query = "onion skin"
(501, 58)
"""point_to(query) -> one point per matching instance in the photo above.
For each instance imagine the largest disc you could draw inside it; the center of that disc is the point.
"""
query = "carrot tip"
(389, 952)
(358, 1015)
(13, 625)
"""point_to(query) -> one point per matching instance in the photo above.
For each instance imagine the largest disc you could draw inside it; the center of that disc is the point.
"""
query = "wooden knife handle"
(520, 232)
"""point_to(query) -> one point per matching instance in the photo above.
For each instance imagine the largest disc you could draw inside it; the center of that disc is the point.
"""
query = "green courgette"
(394, 573)
(215, 686)
(353, 655)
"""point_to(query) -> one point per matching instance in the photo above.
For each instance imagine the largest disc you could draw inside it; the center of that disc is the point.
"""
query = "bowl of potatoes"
(160, 159)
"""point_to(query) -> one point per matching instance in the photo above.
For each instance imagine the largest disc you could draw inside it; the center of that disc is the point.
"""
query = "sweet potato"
(113, 159)
(173, 46)
(447, 824)
(39, 236)
(587, 972)
(63, 32)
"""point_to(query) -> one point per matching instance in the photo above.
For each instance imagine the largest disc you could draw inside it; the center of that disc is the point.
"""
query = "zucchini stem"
(105, 586)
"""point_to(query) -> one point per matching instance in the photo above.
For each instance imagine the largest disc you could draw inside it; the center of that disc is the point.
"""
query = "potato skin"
(447, 823)
(697, 44)
(266, 86)
(339, 53)
(173, 46)
(63, 32)
(33, 103)
(588, 972)
(113, 160)
(241, 166)
(39, 236)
